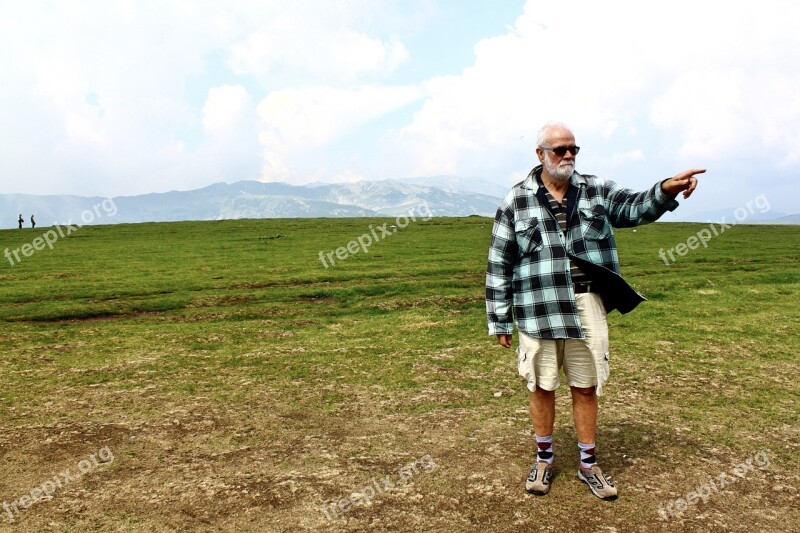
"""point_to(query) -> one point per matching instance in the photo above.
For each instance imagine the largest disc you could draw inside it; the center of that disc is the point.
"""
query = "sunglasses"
(561, 151)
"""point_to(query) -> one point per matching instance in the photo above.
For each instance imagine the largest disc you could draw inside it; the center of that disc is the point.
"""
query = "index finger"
(690, 173)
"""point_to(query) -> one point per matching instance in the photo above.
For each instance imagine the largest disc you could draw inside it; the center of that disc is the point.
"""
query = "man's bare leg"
(584, 412)
(543, 411)
(543, 414)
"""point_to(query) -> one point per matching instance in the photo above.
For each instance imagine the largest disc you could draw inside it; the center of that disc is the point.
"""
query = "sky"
(119, 98)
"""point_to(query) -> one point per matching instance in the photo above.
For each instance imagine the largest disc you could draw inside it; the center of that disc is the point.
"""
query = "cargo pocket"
(602, 371)
(529, 238)
(525, 368)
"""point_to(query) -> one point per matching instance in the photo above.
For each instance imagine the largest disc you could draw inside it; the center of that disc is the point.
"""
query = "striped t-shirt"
(560, 212)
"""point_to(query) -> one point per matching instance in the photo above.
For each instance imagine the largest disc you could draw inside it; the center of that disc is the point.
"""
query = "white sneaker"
(599, 483)
(538, 481)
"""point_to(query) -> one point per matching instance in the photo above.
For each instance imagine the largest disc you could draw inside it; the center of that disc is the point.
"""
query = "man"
(553, 270)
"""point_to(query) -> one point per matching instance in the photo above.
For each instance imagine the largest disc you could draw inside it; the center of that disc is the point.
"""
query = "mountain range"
(435, 196)
(254, 199)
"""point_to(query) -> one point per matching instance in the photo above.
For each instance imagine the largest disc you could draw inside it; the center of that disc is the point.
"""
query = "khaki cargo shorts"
(585, 361)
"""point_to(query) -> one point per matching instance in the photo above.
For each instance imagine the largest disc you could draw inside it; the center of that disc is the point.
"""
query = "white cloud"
(676, 84)
(318, 41)
(225, 109)
(341, 55)
(297, 122)
(105, 81)
(708, 108)
(626, 157)
(97, 94)
(230, 151)
(132, 97)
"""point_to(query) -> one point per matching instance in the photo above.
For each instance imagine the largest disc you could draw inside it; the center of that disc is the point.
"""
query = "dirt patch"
(279, 466)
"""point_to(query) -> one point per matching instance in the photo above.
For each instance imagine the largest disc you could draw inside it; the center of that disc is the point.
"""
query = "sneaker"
(538, 481)
(599, 483)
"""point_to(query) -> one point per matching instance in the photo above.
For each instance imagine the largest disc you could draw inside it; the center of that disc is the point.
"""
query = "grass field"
(215, 376)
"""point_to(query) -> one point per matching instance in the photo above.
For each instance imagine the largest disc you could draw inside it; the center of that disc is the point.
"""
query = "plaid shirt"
(529, 255)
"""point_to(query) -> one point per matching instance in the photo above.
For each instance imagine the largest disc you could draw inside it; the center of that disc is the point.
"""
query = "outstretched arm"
(685, 181)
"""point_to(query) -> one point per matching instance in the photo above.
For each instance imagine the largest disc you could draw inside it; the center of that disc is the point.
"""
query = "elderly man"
(553, 270)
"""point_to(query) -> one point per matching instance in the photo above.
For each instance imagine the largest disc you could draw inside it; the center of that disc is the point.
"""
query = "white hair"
(541, 136)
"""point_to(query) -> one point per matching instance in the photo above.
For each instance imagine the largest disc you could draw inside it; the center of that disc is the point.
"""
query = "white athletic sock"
(544, 449)
(587, 455)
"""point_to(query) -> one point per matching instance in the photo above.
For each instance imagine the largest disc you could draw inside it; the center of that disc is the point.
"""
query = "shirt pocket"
(529, 238)
(594, 223)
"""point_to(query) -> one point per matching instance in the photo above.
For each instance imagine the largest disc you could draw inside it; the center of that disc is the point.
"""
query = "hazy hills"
(436, 195)
(251, 199)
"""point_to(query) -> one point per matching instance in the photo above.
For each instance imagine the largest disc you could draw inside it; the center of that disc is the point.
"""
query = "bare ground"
(270, 459)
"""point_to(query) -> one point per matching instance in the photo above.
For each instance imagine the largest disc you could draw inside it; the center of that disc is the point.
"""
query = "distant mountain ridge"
(250, 199)
(441, 195)
(788, 219)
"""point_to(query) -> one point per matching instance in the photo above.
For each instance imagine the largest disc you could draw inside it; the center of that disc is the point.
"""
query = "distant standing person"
(21, 221)
(554, 272)
(33, 222)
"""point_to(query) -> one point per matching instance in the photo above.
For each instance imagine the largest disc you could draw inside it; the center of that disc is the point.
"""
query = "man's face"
(559, 168)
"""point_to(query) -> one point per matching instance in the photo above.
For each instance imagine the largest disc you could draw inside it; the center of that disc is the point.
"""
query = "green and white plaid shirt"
(529, 255)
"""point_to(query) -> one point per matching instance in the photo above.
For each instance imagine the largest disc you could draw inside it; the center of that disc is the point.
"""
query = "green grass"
(223, 354)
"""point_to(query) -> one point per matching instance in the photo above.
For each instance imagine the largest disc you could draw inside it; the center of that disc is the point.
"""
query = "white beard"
(561, 172)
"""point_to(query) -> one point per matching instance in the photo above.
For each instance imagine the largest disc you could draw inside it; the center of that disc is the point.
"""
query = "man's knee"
(542, 394)
(584, 392)
(542, 397)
